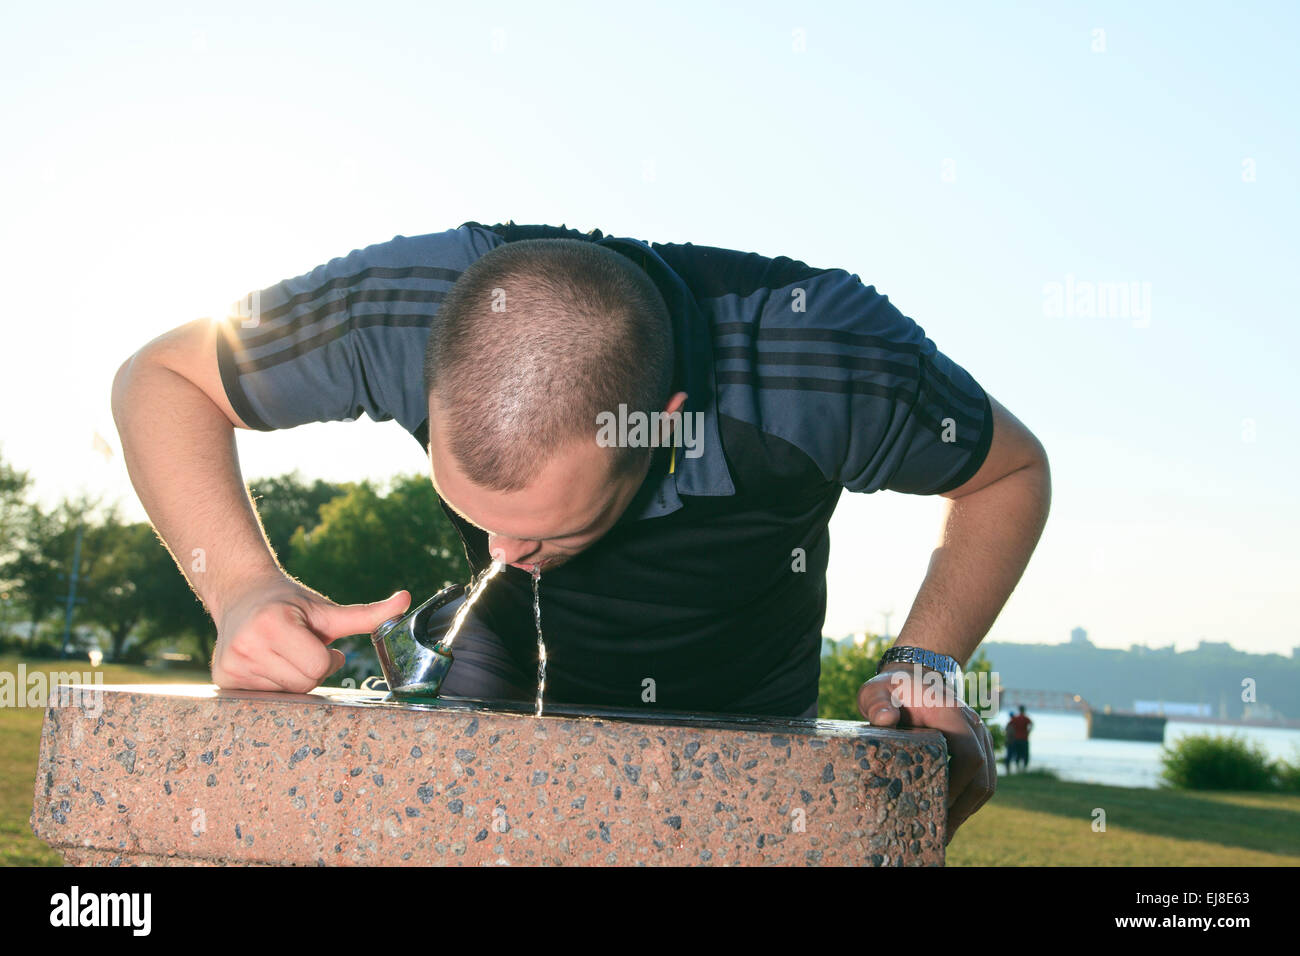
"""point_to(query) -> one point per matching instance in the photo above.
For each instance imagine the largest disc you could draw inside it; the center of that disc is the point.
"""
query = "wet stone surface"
(194, 776)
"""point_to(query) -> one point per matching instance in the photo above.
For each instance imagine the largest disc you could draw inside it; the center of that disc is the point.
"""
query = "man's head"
(535, 340)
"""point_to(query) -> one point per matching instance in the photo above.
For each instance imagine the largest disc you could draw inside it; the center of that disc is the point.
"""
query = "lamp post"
(72, 591)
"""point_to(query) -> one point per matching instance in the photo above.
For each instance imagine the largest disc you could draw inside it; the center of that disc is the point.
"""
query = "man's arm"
(991, 528)
(177, 429)
(992, 525)
(345, 339)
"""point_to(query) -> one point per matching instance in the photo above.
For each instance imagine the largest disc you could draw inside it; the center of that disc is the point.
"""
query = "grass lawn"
(1035, 820)
(1032, 820)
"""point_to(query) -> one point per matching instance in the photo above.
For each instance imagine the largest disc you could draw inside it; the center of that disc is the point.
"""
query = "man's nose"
(511, 550)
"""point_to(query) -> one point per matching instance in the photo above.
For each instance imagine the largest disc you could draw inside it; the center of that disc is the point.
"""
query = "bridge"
(1013, 697)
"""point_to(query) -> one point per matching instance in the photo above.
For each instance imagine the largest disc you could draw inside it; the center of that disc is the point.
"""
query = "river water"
(1059, 741)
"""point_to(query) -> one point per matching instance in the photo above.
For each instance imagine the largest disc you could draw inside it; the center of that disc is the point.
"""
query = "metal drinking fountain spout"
(411, 664)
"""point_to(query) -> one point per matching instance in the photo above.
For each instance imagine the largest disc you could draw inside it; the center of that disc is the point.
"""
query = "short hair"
(535, 339)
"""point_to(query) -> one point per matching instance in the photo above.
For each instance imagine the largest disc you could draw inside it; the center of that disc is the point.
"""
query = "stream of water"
(470, 597)
(541, 644)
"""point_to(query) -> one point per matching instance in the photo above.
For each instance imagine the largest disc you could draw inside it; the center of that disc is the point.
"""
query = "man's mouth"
(544, 564)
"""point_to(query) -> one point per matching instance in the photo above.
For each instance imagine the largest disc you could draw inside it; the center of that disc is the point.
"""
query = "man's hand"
(894, 697)
(275, 636)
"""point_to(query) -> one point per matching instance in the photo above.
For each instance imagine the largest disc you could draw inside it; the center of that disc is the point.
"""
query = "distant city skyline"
(1199, 644)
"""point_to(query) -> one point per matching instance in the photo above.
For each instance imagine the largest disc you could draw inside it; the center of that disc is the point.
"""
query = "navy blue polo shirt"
(712, 584)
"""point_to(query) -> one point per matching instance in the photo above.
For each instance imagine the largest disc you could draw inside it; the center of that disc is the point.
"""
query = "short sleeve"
(913, 420)
(830, 365)
(346, 338)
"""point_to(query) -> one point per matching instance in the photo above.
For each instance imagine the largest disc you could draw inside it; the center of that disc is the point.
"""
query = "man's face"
(570, 504)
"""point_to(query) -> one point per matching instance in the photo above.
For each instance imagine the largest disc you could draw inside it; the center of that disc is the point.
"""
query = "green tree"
(118, 568)
(173, 616)
(145, 596)
(14, 485)
(844, 671)
(286, 503)
(369, 544)
(41, 565)
(13, 517)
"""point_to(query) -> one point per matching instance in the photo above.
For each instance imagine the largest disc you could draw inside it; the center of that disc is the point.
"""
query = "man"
(1018, 739)
(683, 561)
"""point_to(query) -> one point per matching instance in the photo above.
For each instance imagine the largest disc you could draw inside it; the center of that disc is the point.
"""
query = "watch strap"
(942, 663)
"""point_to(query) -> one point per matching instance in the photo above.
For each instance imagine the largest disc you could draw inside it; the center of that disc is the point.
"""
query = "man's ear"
(675, 404)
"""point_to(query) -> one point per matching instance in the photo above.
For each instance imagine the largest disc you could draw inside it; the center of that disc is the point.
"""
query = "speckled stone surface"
(188, 775)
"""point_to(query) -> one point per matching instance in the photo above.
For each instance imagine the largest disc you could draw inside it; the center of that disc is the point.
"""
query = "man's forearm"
(180, 452)
(988, 537)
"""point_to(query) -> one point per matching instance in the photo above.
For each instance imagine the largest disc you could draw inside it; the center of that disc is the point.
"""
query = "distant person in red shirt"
(1018, 739)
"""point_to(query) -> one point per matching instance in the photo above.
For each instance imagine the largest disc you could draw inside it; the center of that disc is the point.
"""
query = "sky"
(988, 167)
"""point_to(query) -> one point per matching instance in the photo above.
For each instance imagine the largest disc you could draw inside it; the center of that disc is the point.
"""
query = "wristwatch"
(945, 665)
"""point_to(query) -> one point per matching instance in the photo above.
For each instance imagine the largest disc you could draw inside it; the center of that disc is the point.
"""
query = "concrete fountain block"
(191, 775)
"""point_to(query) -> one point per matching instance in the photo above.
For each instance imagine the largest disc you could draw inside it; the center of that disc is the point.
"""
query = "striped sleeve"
(918, 422)
(346, 338)
(830, 365)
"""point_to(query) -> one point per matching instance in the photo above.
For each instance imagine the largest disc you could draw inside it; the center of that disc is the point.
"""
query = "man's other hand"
(276, 636)
(895, 698)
